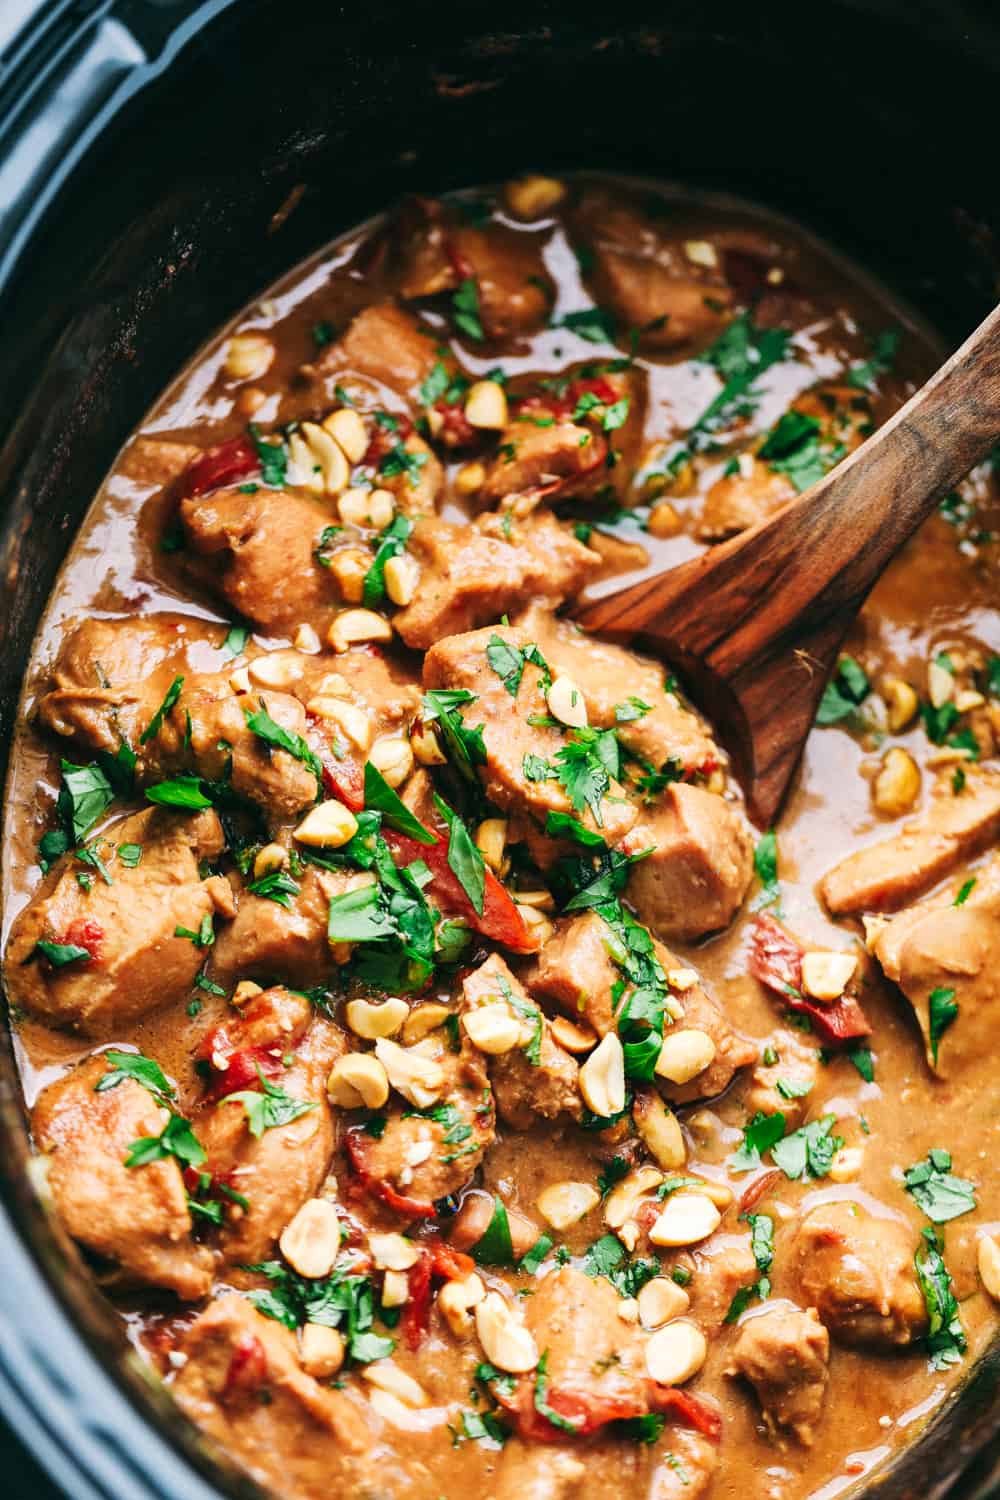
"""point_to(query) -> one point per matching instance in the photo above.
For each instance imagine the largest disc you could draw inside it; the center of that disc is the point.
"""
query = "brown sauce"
(939, 596)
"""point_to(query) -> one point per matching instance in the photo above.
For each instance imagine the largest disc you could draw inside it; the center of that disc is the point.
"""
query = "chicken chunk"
(643, 275)
(461, 662)
(626, 692)
(280, 1169)
(259, 550)
(857, 1271)
(527, 1471)
(242, 1383)
(697, 874)
(839, 417)
(470, 576)
(423, 1155)
(268, 941)
(135, 938)
(136, 1218)
(110, 681)
(951, 829)
(691, 1462)
(946, 960)
(438, 251)
(784, 1353)
(562, 459)
(795, 1066)
(536, 1079)
(576, 970)
(595, 1361)
(383, 343)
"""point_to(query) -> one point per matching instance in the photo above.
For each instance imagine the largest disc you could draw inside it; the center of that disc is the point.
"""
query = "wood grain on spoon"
(756, 623)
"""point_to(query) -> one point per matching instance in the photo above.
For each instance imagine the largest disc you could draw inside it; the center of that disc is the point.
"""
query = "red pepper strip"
(343, 779)
(758, 1188)
(87, 933)
(447, 1262)
(247, 1368)
(384, 439)
(775, 958)
(416, 1318)
(500, 919)
(687, 1409)
(240, 1071)
(586, 1410)
(226, 464)
(413, 1208)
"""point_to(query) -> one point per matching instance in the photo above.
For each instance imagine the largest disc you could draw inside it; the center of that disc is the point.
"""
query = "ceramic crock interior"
(860, 119)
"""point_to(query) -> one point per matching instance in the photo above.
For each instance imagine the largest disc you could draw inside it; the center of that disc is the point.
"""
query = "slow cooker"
(162, 160)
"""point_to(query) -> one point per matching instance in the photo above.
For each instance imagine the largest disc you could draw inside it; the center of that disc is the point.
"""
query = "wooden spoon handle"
(821, 554)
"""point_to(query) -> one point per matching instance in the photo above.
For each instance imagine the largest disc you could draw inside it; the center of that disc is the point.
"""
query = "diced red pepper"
(500, 919)
(384, 439)
(247, 1368)
(343, 779)
(587, 1410)
(416, 1316)
(87, 933)
(563, 407)
(447, 1262)
(241, 1073)
(760, 1185)
(456, 430)
(683, 1407)
(228, 463)
(356, 1148)
(774, 957)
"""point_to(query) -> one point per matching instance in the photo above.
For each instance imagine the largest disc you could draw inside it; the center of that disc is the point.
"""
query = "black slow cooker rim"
(70, 1385)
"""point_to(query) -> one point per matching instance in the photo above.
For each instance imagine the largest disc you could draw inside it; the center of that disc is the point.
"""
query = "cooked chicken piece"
(722, 1266)
(952, 827)
(423, 1155)
(260, 552)
(155, 462)
(624, 691)
(536, 1079)
(593, 1357)
(136, 1218)
(470, 576)
(133, 930)
(528, 1471)
(796, 1067)
(694, 880)
(857, 1271)
(242, 1383)
(109, 682)
(843, 419)
(283, 1167)
(438, 252)
(642, 274)
(946, 960)
(267, 939)
(386, 344)
(576, 970)
(784, 1353)
(461, 662)
(691, 1468)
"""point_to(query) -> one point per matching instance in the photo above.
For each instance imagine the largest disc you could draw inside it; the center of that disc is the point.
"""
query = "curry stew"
(453, 1091)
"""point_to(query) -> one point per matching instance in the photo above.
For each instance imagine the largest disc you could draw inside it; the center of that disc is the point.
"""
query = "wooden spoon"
(756, 624)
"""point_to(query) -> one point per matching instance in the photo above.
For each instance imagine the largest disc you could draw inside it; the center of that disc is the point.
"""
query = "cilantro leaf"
(265, 728)
(84, 795)
(268, 1107)
(277, 886)
(273, 458)
(495, 1248)
(465, 304)
(392, 542)
(179, 791)
(61, 954)
(941, 1195)
(810, 1149)
(945, 1340)
(155, 724)
(380, 797)
(844, 693)
(942, 1012)
(134, 1065)
(359, 916)
(763, 1132)
(565, 1424)
(177, 1139)
(464, 859)
(595, 324)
